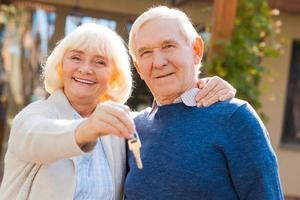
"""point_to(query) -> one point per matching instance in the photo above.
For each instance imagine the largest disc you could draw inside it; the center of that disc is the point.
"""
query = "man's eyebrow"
(168, 41)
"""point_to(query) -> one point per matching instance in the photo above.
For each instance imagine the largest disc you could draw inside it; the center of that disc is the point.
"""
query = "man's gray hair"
(162, 12)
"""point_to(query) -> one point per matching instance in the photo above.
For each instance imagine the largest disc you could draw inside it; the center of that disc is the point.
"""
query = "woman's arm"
(38, 136)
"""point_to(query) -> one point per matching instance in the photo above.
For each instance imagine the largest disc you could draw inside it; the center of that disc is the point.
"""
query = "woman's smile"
(84, 81)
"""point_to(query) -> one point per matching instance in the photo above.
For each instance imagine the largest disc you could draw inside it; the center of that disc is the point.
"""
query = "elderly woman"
(65, 147)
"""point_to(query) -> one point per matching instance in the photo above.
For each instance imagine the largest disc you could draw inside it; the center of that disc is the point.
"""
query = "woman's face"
(86, 75)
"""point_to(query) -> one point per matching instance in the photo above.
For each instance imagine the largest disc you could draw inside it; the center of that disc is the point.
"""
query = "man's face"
(165, 60)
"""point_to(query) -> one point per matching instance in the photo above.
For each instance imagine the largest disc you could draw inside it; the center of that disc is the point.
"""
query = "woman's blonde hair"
(106, 43)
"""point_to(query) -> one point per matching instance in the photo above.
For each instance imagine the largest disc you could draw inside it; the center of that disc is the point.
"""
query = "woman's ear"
(198, 47)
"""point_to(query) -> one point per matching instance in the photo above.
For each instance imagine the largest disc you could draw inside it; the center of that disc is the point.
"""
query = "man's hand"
(213, 89)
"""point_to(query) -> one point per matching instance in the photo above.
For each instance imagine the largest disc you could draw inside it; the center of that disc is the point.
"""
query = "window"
(73, 21)
(291, 128)
(43, 25)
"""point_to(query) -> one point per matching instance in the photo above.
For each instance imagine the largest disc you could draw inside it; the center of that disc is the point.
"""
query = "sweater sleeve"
(251, 160)
(37, 136)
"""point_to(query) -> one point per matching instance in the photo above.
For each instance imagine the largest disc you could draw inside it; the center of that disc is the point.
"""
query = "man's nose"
(159, 59)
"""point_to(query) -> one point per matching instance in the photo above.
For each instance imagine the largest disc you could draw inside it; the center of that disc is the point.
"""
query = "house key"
(134, 145)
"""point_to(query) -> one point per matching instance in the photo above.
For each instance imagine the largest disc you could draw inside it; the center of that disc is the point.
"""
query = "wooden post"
(61, 15)
(224, 12)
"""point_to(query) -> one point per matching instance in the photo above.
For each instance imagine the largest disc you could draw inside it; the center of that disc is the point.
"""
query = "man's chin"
(166, 95)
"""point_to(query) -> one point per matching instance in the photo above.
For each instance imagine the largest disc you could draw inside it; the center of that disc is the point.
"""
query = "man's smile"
(164, 75)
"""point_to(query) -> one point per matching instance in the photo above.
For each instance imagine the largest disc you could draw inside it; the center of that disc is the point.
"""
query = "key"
(134, 145)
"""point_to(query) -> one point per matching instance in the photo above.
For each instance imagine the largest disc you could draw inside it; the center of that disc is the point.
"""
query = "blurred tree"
(255, 37)
(16, 74)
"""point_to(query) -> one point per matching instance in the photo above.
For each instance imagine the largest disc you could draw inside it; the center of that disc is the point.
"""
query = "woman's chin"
(80, 95)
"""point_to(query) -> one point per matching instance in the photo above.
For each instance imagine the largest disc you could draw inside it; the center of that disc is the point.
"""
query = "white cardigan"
(38, 162)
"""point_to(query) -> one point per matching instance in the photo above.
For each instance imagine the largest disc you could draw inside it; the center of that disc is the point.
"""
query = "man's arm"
(251, 160)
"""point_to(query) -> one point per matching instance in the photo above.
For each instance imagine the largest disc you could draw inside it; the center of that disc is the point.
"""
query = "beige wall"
(121, 10)
(274, 94)
(274, 99)
(133, 6)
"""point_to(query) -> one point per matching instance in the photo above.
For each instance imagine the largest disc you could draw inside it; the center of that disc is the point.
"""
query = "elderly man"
(217, 152)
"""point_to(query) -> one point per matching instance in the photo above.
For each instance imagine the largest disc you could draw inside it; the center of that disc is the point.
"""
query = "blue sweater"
(221, 152)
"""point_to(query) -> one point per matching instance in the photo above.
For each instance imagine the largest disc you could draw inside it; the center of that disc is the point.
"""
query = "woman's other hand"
(213, 89)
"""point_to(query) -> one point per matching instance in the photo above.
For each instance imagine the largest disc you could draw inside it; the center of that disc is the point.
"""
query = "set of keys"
(134, 145)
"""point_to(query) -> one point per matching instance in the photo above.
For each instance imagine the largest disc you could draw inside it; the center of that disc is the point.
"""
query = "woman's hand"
(107, 118)
(213, 89)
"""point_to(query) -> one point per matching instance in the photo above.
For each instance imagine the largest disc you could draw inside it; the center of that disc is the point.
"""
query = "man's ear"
(137, 67)
(198, 48)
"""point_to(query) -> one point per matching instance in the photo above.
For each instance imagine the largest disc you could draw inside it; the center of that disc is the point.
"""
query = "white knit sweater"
(38, 162)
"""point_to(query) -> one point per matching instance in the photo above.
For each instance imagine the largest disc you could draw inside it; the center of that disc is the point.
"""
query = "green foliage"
(255, 37)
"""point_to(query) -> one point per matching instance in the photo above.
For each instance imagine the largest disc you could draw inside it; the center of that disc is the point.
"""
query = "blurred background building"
(29, 30)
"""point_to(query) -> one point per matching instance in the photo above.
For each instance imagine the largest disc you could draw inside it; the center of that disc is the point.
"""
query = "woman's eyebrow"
(76, 51)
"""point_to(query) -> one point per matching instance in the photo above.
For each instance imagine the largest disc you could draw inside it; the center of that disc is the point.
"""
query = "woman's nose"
(85, 69)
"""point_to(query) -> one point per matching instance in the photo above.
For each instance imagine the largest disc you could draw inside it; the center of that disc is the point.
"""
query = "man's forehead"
(157, 31)
(157, 23)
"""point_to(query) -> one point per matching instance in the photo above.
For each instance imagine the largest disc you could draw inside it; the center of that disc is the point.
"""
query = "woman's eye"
(101, 62)
(75, 58)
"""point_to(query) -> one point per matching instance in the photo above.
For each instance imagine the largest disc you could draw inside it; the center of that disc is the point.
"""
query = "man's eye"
(168, 46)
(144, 53)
